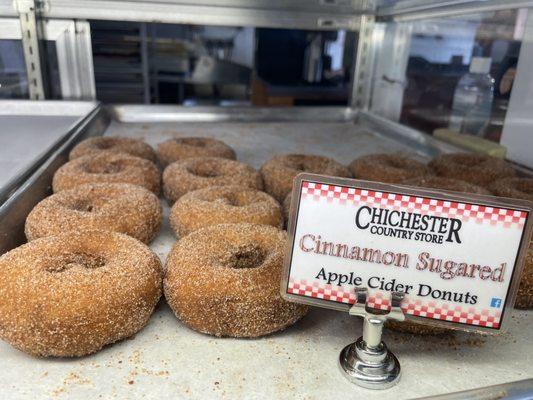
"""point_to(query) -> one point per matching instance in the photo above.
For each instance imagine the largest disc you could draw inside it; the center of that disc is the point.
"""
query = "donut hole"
(203, 171)
(245, 256)
(397, 163)
(70, 260)
(299, 166)
(112, 167)
(303, 165)
(105, 144)
(194, 142)
(88, 204)
(82, 205)
(239, 199)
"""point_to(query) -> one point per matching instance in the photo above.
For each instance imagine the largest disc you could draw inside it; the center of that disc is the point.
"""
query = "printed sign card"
(456, 257)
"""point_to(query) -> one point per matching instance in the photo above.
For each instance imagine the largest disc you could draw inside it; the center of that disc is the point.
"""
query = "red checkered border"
(430, 309)
(481, 214)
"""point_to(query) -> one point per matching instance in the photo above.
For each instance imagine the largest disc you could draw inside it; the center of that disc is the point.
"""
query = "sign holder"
(450, 260)
(368, 362)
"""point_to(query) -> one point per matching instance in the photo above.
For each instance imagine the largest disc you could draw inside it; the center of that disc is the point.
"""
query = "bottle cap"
(480, 65)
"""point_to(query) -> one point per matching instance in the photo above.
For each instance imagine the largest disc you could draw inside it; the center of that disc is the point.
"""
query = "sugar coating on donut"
(71, 294)
(524, 297)
(279, 172)
(516, 188)
(224, 280)
(94, 145)
(187, 147)
(438, 182)
(191, 174)
(479, 169)
(519, 188)
(223, 204)
(107, 167)
(118, 207)
(387, 168)
(287, 207)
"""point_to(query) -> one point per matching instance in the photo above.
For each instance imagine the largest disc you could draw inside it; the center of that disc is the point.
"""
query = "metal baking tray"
(35, 139)
(166, 360)
(43, 124)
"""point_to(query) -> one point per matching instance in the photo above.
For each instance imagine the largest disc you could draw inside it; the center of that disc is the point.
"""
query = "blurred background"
(155, 63)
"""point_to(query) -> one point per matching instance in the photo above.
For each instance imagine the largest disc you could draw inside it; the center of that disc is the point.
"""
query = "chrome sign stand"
(368, 362)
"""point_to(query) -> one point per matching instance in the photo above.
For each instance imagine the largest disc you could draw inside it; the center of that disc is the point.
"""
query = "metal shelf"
(408, 10)
(300, 14)
(297, 14)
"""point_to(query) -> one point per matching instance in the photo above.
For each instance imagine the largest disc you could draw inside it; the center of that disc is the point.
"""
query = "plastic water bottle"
(472, 100)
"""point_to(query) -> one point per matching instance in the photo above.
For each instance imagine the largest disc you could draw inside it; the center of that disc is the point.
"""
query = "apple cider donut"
(190, 174)
(224, 280)
(179, 148)
(520, 188)
(118, 207)
(524, 297)
(387, 168)
(438, 182)
(479, 169)
(223, 204)
(287, 207)
(71, 294)
(108, 167)
(94, 145)
(279, 172)
(517, 188)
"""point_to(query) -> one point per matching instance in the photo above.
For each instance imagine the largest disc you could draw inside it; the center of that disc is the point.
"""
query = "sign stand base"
(368, 362)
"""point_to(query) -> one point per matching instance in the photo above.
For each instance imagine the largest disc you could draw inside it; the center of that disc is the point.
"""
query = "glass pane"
(13, 79)
(204, 65)
(52, 71)
(461, 71)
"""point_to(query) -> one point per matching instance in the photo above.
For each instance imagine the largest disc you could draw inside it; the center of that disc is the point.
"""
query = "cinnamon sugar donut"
(94, 145)
(387, 168)
(520, 188)
(191, 174)
(524, 297)
(108, 167)
(71, 294)
(517, 188)
(224, 280)
(438, 182)
(118, 207)
(223, 204)
(479, 169)
(287, 207)
(187, 147)
(279, 172)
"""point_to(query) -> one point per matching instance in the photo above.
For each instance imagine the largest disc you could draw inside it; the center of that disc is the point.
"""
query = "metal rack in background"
(384, 26)
(71, 46)
(378, 74)
(120, 55)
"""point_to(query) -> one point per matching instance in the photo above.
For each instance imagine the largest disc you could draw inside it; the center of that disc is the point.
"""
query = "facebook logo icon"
(496, 303)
